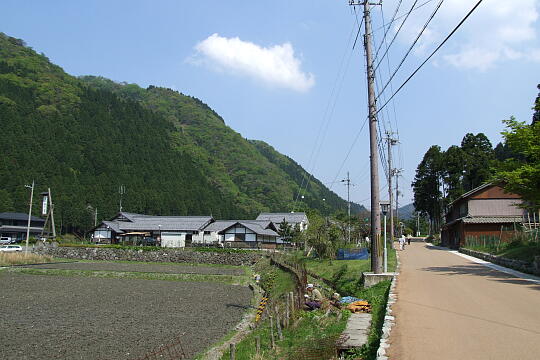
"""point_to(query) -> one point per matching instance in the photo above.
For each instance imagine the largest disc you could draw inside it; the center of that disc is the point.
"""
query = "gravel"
(54, 317)
(141, 267)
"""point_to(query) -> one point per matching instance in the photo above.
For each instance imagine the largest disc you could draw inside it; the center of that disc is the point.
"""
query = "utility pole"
(347, 181)
(417, 224)
(376, 249)
(121, 191)
(390, 142)
(396, 173)
(29, 215)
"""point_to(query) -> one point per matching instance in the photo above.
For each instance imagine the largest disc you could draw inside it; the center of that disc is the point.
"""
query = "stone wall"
(519, 265)
(165, 255)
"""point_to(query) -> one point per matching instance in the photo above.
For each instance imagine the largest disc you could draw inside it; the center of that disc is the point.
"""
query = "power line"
(387, 28)
(412, 46)
(403, 15)
(431, 55)
(325, 120)
(396, 34)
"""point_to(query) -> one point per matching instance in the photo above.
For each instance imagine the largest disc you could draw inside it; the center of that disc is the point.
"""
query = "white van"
(5, 240)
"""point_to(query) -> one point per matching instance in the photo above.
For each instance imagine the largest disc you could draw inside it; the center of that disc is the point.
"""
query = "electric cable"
(431, 55)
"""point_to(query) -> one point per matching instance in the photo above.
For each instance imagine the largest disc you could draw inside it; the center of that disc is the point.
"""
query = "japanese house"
(487, 211)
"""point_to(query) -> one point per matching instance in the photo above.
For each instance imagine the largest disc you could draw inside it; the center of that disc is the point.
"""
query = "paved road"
(451, 308)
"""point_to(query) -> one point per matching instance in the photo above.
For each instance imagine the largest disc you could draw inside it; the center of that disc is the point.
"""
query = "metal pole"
(376, 254)
(385, 250)
(52, 215)
(349, 205)
(29, 217)
(390, 175)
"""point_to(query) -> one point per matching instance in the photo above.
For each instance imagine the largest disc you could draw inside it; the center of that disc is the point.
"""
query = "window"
(239, 237)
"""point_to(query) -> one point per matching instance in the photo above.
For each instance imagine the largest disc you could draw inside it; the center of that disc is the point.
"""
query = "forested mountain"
(84, 137)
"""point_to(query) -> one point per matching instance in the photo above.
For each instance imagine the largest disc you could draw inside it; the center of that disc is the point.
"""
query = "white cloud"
(275, 65)
(498, 31)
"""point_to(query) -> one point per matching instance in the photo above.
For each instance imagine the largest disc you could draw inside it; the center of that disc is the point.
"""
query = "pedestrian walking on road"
(409, 239)
(402, 242)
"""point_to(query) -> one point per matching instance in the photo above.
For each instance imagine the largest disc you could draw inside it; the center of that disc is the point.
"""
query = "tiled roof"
(291, 218)
(140, 222)
(258, 227)
(492, 219)
(18, 216)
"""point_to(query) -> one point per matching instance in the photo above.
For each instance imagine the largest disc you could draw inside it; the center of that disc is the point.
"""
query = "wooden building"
(487, 211)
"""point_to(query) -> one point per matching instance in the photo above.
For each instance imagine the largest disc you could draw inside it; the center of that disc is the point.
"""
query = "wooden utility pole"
(347, 181)
(396, 173)
(390, 142)
(29, 215)
(376, 248)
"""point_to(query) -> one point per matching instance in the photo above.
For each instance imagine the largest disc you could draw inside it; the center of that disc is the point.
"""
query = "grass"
(377, 296)
(157, 248)
(20, 258)
(521, 247)
(526, 252)
(346, 274)
(311, 329)
(227, 279)
(223, 266)
(274, 281)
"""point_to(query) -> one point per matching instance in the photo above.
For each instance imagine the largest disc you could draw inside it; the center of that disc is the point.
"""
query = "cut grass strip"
(21, 258)
(227, 279)
(224, 266)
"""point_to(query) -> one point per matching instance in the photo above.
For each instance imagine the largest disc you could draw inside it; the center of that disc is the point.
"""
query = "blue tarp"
(353, 254)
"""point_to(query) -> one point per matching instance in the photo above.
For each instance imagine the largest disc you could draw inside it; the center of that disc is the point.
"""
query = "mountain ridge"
(86, 136)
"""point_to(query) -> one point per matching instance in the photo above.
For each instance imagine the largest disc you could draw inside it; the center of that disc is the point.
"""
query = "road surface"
(451, 308)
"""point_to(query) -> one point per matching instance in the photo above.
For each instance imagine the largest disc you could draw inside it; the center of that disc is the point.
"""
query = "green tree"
(427, 186)
(536, 108)
(478, 156)
(522, 176)
(452, 170)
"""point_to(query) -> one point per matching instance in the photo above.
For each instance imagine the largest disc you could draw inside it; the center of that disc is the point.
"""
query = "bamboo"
(258, 345)
(272, 340)
(287, 311)
(278, 325)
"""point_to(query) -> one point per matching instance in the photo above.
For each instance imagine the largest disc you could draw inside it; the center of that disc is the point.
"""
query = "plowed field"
(56, 317)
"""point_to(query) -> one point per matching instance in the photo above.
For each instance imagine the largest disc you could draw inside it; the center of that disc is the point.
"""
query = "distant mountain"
(84, 137)
(406, 212)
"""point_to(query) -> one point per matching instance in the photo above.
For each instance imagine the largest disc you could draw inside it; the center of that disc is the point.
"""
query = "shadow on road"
(480, 270)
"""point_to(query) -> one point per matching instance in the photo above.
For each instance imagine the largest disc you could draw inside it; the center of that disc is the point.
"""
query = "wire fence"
(171, 351)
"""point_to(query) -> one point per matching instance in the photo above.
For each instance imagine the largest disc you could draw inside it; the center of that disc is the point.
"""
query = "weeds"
(20, 258)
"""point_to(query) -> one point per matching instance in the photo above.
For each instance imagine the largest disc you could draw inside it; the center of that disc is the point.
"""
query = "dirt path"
(451, 308)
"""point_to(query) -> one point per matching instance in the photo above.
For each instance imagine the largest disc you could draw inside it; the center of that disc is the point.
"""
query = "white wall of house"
(173, 239)
(206, 237)
(102, 234)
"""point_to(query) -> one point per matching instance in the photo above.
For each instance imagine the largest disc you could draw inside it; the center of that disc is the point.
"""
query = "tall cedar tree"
(427, 186)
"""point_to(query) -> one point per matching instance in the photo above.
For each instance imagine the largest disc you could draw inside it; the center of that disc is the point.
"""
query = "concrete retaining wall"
(165, 255)
(519, 265)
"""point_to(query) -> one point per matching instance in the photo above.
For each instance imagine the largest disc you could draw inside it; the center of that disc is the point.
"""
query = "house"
(239, 234)
(170, 231)
(14, 225)
(293, 218)
(487, 210)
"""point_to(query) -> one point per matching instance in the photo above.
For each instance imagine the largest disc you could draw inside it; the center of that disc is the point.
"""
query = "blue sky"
(285, 72)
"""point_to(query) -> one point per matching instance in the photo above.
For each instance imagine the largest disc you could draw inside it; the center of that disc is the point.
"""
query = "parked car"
(5, 240)
(10, 248)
